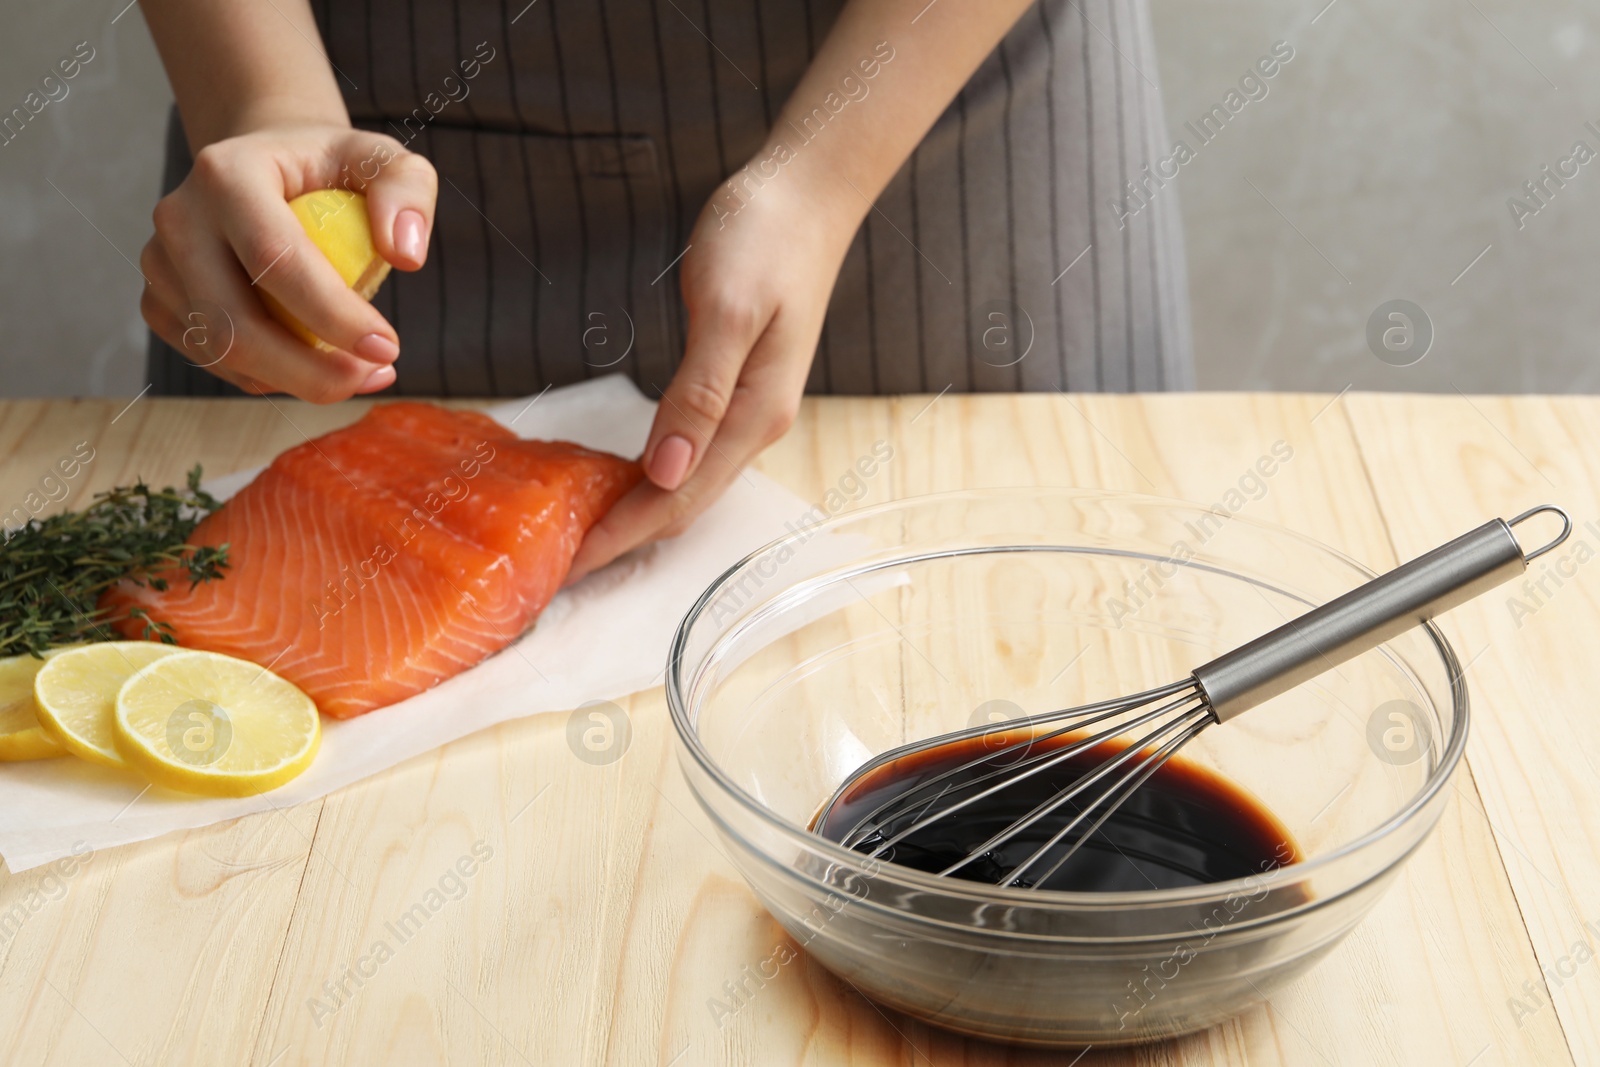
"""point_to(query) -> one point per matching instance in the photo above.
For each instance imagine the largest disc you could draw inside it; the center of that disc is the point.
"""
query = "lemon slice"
(21, 736)
(75, 694)
(207, 723)
(336, 221)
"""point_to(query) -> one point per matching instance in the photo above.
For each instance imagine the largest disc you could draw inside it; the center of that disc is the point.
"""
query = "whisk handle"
(1368, 615)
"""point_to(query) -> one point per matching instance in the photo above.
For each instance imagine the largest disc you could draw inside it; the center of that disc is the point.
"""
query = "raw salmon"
(378, 560)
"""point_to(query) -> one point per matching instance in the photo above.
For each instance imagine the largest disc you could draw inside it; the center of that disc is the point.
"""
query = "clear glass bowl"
(927, 615)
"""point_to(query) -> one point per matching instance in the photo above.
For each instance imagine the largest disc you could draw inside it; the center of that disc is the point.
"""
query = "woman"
(851, 196)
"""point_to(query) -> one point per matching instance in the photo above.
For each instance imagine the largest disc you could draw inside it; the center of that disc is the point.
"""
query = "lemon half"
(75, 693)
(21, 736)
(336, 221)
(207, 723)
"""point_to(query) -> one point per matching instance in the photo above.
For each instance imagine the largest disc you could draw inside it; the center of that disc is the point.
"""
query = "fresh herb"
(53, 570)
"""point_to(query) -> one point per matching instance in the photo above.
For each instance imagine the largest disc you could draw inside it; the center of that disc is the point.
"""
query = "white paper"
(602, 639)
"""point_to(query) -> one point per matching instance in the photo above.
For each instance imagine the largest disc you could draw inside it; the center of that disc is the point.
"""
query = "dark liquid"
(1184, 826)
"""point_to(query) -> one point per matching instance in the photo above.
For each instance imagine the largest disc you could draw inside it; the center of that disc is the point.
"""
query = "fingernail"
(376, 348)
(381, 378)
(671, 462)
(410, 238)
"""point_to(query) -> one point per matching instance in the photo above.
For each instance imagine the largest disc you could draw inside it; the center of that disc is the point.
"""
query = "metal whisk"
(1176, 713)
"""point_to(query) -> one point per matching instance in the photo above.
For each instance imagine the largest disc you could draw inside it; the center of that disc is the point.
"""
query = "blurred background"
(1377, 168)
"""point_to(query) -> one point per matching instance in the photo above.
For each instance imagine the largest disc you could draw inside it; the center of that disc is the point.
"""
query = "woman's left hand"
(756, 281)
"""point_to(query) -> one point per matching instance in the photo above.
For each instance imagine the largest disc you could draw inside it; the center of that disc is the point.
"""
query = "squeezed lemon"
(336, 221)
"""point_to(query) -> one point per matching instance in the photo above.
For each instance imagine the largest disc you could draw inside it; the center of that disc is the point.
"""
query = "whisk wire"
(1214, 692)
(1139, 775)
(1037, 766)
(1085, 714)
(1065, 796)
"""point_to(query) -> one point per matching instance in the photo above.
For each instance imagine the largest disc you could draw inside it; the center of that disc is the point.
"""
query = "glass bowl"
(927, 615)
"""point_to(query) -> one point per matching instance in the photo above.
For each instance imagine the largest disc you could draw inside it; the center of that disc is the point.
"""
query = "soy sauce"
(1185, 826)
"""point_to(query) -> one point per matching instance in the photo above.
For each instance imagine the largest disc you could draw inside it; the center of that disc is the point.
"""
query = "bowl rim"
(688, 736)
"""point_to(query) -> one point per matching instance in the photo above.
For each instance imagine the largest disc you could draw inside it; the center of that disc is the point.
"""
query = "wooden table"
(604, 918)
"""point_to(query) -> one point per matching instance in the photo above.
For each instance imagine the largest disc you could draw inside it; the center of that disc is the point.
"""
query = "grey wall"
(1391, 142)
(69, 301)
(1381, 158)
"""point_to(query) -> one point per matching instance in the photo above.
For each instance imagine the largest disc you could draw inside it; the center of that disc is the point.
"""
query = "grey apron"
(575, 159)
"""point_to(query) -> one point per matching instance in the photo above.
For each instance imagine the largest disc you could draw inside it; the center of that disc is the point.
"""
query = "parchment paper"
(601, 639)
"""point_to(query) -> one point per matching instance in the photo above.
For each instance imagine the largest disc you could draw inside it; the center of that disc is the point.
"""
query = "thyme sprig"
(53, 570)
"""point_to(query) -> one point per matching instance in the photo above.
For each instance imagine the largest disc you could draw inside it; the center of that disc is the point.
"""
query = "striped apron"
(576, 142)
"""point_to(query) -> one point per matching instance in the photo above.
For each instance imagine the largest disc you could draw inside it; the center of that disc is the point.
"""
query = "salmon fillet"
(378, 560)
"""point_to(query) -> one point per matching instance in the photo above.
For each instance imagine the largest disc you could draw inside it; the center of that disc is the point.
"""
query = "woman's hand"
(227, 233)
(756, 281)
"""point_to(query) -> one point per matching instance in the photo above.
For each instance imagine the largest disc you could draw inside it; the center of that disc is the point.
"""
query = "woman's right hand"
(227, 233)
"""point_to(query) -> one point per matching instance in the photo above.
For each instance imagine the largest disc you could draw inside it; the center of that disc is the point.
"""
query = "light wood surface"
(605, 913)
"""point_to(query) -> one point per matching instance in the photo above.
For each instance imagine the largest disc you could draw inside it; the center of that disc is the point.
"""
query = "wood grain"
(600, 913)
(1365, 1003)
(1439, 465)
